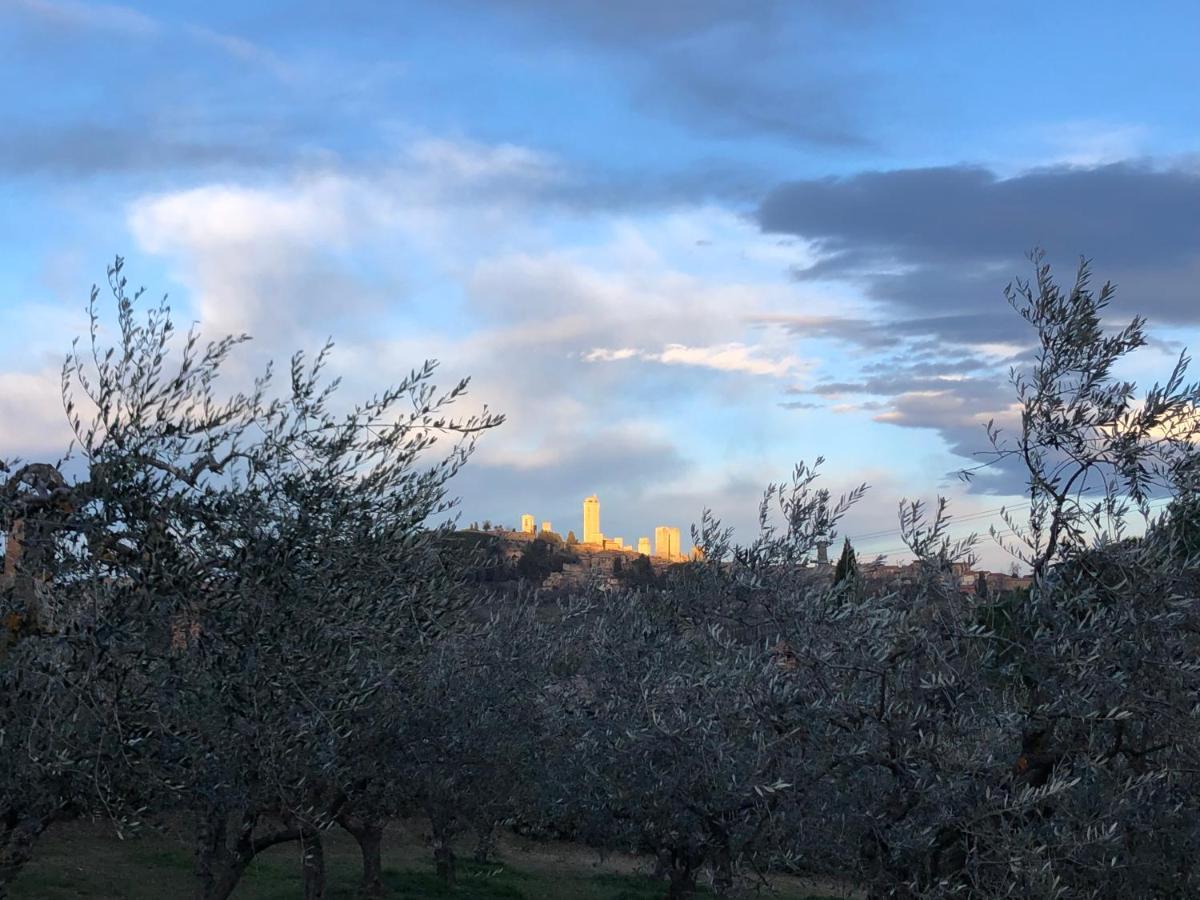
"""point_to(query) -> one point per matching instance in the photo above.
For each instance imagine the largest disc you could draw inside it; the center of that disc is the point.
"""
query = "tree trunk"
(313, 861)
(222, 886)
(369, 835)
(443, 854)
(485, 844)
(15, 852)
(683, 883)
(17, 842)
(683, 875)
(220, 867)
(723, 872)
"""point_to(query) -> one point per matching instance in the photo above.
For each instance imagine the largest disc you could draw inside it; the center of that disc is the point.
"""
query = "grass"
(86, 862)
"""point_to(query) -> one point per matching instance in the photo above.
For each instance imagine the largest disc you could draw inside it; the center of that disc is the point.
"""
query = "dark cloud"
(813, 107)
(722, 67)
(631, 21)
(801, 404)
(920, 363)
(863, 333)
(935, 248)
(87, 149)
(959, 415)
(940, 243)
(893, 385)
(868, 334)
(636, 22)
(953, 393)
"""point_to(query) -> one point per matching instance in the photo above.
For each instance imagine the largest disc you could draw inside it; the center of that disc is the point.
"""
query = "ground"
(88, 861)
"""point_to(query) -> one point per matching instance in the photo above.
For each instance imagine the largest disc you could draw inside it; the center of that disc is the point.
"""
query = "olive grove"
(246, 616)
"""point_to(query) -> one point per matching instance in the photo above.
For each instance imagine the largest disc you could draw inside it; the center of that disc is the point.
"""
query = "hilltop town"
(540, 553)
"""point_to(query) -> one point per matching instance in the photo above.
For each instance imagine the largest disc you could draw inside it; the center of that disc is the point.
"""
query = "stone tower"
(591, 520)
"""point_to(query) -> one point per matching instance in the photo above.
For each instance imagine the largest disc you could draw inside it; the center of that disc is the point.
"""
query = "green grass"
(83, 862)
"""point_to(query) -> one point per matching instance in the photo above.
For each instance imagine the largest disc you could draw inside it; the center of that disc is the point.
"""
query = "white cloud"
(33, 424)
(529, 298)
(1091, 143)
(727, 358)
(252, 256)
(602, 355)
(222, 215)
(733, 357)
(466, 163)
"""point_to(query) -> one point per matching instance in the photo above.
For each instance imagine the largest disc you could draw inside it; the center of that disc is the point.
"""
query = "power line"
(981, 514)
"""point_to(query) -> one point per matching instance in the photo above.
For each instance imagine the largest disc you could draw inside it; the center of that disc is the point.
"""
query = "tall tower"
(674, 553)
(662, 542)
(527, 523)
(644, 546)
(591, 520)
(666, 543)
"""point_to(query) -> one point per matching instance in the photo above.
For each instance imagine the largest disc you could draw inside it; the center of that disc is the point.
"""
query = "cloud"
(470, 163)
(925, 385)
(940, 243)
(89, 148)
(933, 249)
(245, 50)
(75, 14)
(809, 107)
(126, 20)
(626, 22)
(800, 404)
(732, 357)
(453, 253)
(256, 258)
(1091, 143)
(718, 66)
(219, 215)
(33, 424)
(602, 355)
(258, 255)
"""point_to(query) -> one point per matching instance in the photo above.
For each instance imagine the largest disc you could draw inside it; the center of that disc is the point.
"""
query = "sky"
(682, 246)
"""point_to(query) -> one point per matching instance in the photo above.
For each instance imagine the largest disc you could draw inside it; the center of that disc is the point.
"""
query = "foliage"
(232, 582)
(639, 573)
(540, 558)
(245, 609)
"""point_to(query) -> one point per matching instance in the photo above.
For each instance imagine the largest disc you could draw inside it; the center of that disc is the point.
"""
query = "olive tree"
(97, 567)
(235, 581)
(1101, 654)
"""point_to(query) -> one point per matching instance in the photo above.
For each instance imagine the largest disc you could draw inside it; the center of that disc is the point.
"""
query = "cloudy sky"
(681, 244)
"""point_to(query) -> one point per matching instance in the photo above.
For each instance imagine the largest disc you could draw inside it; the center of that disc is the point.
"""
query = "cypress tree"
(847, 564)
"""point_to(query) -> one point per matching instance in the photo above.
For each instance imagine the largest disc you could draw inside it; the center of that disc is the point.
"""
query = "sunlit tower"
(644, 546)
(666, 542)
(527, 525)
(591, 520)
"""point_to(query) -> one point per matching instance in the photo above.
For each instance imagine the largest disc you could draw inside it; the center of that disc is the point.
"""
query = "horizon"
(674, 284)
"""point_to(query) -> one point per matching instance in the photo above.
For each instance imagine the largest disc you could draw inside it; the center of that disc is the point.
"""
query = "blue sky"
(680, 244)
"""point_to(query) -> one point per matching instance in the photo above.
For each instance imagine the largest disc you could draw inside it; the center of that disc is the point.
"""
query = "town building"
(591, 521)
(666, 542)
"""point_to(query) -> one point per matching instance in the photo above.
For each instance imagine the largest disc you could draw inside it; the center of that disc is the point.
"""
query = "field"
(86, 861)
